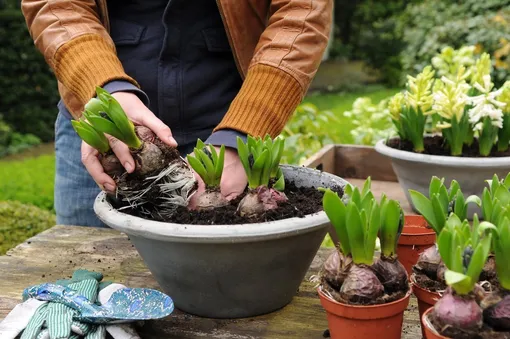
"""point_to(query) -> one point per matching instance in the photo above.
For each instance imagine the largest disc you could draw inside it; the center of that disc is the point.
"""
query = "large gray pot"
(228, 271)
(414, 171)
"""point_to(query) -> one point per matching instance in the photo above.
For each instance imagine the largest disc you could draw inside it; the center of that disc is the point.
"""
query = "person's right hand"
(140, 115)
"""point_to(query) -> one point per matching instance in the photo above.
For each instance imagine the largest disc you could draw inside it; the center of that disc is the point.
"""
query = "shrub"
(29, 89)
(307, 132)
(371, 121)
(426, 28)
(19, 222)
(29, 181)
(14, 142)
(405, 42)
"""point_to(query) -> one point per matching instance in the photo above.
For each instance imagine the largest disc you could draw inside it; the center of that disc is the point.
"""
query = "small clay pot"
(416, 237)
(365, 322)
(430, 332)
(426, 300)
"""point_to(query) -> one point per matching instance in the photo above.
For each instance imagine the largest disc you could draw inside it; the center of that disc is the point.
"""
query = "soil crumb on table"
(302, 201)
(436, 145)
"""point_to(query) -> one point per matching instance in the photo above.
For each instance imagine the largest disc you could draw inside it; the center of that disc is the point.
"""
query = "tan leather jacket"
(278, 46)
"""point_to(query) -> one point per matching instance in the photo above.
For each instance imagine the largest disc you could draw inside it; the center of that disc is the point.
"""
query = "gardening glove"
(17, 320)
(31, 315)
(54, 320)
(91, 331)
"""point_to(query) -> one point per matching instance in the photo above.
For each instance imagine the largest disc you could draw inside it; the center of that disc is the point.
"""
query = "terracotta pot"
(365, 322)
(415, 238)
(426, 299)
(430, 332)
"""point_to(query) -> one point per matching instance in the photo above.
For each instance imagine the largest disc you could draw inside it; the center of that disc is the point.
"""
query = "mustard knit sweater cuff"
(266, 101)
(86, 62)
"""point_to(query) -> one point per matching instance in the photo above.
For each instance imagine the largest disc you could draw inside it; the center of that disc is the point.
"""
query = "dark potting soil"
(302, 201)
(431, 284)
(461, 333)
(436, 145)
(423, 281)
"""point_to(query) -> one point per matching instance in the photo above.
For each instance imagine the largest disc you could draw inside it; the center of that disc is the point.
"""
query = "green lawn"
(29, 181)
(341, 102)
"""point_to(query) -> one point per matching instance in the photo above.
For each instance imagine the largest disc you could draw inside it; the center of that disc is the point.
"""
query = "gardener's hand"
(140, 115)
(233, 179)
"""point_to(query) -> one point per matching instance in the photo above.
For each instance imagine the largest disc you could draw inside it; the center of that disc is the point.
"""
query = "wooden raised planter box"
(355, 164)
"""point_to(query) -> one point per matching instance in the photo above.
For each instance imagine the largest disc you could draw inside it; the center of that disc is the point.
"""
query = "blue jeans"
(75, 190)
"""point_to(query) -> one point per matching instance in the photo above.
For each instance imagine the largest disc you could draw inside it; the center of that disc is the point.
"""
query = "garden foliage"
(13, 142)
(405, 42)
(19, 222)
(29, 89)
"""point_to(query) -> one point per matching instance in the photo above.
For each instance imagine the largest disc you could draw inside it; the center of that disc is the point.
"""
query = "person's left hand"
(233, 179)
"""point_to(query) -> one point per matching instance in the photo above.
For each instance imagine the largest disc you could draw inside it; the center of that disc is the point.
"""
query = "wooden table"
(57, 252)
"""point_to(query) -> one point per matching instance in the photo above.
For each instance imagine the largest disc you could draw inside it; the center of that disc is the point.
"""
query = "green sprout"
(357, 222)
(442, 202)
(261, 161)
(208, 163)
(496, 199)
(392, 223)
(463, 254)
(105, 115)
(91, 136)
(501, 245)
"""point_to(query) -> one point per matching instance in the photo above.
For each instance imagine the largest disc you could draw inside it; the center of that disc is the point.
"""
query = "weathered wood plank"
(57, 252)
(353, 161)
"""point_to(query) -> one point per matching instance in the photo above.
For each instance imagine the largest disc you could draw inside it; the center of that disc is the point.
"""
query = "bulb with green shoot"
(388, 268)
(208, 164)
(260, 158)
(161, 180)
(464, 252)
(436, 208)
(496, 199)
(497, 304)
(348, 274)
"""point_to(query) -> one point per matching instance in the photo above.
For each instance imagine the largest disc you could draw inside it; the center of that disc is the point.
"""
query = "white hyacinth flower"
(486, 104)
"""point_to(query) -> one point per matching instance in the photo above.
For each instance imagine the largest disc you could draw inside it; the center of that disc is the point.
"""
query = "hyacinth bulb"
(361, 285)
(336, 268)
(391, 273)
(497, 315)
(460, 312)
(429, 261)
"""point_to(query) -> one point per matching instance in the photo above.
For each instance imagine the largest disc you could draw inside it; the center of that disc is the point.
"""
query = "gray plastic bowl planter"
(414, 171)
(229, 271)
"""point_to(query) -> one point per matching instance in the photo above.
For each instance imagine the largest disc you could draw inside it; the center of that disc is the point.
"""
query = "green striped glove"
(55, 321)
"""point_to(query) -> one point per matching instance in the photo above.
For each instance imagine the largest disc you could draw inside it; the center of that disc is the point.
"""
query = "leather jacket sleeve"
(286, 58)
(75, 44)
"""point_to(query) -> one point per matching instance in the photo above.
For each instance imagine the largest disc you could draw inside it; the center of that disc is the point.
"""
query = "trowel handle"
(61, 294)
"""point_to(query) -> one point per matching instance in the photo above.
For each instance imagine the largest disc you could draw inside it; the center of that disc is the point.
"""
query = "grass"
(29, 181)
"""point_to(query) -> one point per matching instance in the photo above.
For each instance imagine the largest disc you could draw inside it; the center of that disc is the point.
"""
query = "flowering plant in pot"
(364, 294)
(464, 251)
(263, 240)
(467, 310)
(428, 273)
(470, 121)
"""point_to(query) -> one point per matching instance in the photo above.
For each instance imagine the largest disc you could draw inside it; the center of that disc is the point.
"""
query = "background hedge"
(19, 222)
(28, 88)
